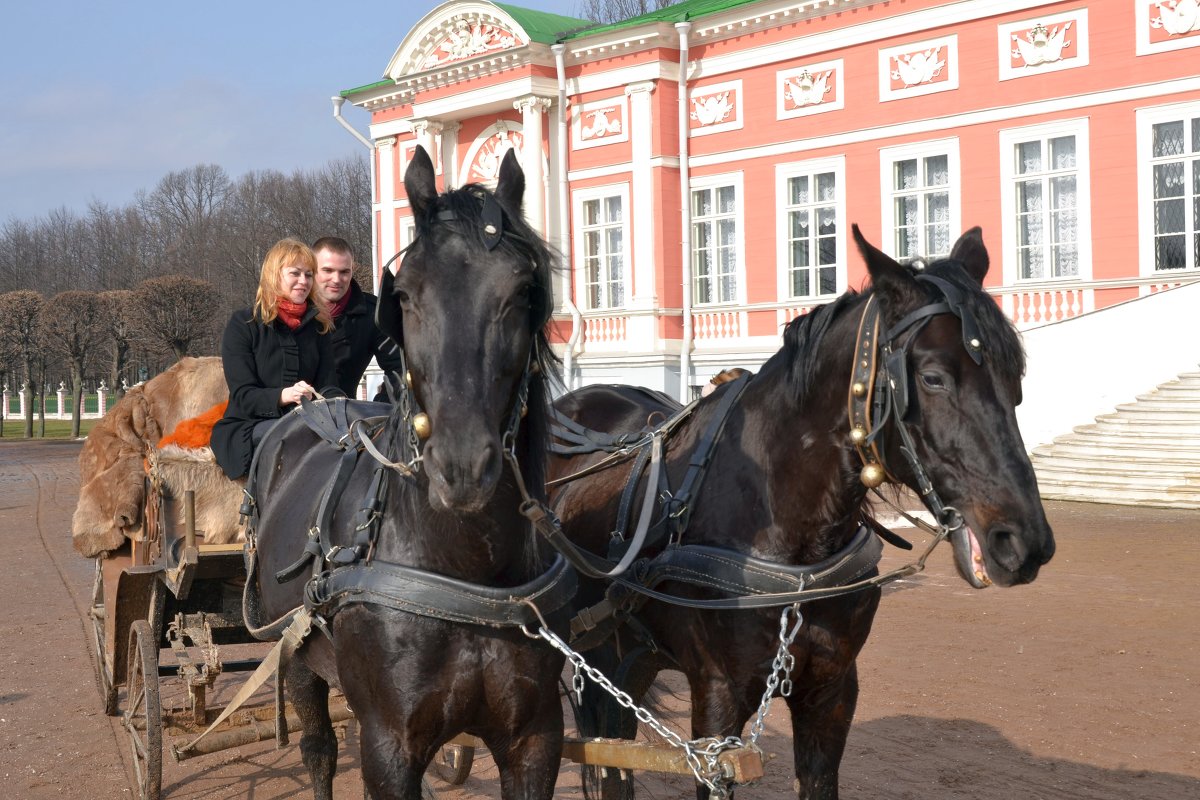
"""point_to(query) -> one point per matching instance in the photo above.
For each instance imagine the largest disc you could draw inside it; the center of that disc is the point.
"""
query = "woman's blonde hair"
(285, 253)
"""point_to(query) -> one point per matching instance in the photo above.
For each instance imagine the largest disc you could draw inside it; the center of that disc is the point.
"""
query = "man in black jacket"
(355, 337)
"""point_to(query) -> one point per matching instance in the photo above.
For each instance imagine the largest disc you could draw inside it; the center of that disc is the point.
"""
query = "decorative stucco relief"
(1035, 46)
(918, 68)
(810, 89)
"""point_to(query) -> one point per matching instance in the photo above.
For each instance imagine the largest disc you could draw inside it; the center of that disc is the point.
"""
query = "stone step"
(1138, 478)
(1132, 435)
(1119, 494)
(1124, 452)
(1158, 408)
(1168, 426)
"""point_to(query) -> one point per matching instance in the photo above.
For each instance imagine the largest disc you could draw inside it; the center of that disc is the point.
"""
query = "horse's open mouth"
(968, 557)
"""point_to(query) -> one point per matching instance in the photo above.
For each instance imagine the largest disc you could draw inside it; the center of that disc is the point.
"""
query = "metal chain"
(781, 668)
(701, 754)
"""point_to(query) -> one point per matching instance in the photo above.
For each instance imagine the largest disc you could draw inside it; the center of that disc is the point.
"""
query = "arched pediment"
(453, 32)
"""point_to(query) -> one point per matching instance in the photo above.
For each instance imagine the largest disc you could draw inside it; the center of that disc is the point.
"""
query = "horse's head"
(468, 306)
(952, 369)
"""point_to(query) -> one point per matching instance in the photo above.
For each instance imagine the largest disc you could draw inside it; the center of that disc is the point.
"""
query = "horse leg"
(390, 769)
(529, 763)
(821, 720)
(718, 711)
(318, 745)
(600, 715)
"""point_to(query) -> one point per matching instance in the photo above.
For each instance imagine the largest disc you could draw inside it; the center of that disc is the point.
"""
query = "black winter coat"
(356, 340)
(259, 361)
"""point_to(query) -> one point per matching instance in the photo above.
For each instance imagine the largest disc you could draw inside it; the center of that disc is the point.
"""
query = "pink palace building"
(699, 167)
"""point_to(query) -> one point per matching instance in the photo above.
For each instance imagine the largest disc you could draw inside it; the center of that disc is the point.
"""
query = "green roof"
(542, 26)
(680, 12)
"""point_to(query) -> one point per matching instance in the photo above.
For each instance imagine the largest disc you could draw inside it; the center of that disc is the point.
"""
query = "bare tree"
(119, 314)
(20, 329)
(608, 11)
(74, 324)
(174, 312)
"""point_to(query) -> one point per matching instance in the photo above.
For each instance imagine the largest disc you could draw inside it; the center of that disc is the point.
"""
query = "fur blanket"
(112, 464)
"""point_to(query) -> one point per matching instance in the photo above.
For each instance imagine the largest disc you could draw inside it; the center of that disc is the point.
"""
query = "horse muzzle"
(461, 480)
(1006, 555)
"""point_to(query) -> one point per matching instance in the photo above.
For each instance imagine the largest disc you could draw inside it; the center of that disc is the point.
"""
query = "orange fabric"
(197, 431)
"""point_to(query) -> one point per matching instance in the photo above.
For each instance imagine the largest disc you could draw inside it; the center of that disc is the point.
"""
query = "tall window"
(1175, 163)
(921, 204)
(811, 209)
(1045, 172)
(603, 235)
(714, 244)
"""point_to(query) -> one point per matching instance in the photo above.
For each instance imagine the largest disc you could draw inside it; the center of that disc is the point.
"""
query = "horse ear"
(510, 186)
(970, 251)
(895, 285)
(420, 183)
(387, 310)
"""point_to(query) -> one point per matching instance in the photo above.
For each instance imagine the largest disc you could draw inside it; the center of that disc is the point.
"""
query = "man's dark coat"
(356, 340)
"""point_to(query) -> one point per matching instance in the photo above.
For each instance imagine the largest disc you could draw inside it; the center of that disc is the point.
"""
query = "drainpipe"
(685, 206)
(338, 101)
(564, 208)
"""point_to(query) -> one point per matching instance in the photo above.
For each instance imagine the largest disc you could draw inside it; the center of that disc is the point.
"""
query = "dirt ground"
(1083, 685)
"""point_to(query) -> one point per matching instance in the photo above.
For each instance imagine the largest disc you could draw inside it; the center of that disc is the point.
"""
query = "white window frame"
(599, 193)
(1009, 138)
(888, 156)
(1146, 119)
(734, 179)
(783, 172)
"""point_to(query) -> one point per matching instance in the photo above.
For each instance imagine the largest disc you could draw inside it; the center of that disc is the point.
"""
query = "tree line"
(118, 293)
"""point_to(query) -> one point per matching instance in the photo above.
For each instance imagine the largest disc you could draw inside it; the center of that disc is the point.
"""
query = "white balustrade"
(709, 325)
(605, 330)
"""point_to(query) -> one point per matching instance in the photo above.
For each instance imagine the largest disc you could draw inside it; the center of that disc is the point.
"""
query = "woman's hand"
(292, 394)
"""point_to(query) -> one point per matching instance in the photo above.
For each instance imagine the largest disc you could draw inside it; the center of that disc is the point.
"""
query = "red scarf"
(336, 309)
(291, 313)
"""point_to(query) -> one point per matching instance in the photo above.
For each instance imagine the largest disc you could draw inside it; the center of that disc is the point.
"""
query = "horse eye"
(402, 296)
(933, 380)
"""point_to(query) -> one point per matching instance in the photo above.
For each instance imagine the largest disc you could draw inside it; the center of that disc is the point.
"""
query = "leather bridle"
(879, 389)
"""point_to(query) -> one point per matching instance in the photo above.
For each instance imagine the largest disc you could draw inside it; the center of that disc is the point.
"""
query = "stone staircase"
(1146, 453)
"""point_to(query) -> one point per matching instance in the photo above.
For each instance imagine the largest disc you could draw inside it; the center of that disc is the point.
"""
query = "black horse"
(468, 307)
(785, 484)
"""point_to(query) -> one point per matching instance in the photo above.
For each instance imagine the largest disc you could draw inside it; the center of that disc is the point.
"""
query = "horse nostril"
(1007, 548)
(483, 463)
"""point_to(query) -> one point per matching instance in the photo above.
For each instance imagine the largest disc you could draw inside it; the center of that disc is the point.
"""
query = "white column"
(533, 111)
(4, 399)
(62, 390)
(24, 392)
(645, 290)
(101, 398)
(386, 185)
(427, 131)
(450, 177)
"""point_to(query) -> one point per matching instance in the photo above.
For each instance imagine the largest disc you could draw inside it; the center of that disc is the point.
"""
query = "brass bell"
(858, 436)
(858, 389)
(489, 229)
(421, 425)
(524, 410)
(976, 344)
(408, 379)
(872, 475)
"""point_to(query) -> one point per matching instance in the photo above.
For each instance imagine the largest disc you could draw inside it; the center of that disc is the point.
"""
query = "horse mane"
(1002, 344)
(802, 343)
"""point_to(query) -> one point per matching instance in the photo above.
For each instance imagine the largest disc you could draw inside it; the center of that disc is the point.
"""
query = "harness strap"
(431, 595)
(678, 507)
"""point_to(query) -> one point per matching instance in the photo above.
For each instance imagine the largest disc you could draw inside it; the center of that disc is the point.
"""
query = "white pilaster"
(645, 290)
(450, 178)
(388, 235)
(427, 132)
(533, 109)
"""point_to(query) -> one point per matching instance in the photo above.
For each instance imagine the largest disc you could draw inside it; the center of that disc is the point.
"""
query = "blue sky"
(100, 99)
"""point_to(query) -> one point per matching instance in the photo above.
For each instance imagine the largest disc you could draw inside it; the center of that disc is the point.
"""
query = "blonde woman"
(273, 354)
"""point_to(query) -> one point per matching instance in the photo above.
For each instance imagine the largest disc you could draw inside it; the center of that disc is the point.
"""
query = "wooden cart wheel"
(143, 711)
(453, 763)
(103, 666)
